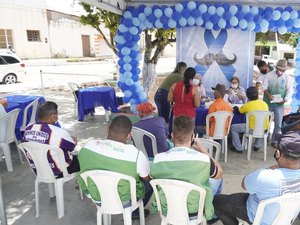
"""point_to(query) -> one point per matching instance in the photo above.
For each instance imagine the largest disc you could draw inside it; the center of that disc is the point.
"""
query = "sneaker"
(255, 149)
(233, 149)
(137, 217)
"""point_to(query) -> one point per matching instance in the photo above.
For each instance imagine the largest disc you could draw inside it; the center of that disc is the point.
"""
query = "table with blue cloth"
(91, 97)
(21, 101)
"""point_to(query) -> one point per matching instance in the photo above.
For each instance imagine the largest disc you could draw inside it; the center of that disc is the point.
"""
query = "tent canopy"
(119, 6)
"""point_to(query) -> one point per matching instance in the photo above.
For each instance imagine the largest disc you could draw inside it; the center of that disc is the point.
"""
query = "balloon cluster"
(296, 96)
(190, 13)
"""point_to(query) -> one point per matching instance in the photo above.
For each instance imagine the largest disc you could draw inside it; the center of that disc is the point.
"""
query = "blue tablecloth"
(20, 101)
(201, 113)
(91, 97)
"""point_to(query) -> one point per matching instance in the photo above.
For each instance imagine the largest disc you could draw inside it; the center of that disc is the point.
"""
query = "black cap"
(289, 143)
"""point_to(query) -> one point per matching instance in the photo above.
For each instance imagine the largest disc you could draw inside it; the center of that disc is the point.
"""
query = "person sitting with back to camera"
(236, 93)
(154, 125)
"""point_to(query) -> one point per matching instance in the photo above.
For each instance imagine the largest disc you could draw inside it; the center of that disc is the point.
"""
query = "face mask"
(263, 71)
(234, 86)
(195, 82)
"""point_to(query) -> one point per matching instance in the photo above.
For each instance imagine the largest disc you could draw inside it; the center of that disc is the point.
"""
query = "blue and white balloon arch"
(194, 13)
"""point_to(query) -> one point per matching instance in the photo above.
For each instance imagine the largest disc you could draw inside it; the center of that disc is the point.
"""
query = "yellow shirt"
(254, 105)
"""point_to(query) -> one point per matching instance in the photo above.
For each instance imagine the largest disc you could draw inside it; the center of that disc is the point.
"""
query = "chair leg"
(59, 192)
(19, 151)
(51, 190)
(142, 214)
(37, 201)
(106, 219)
(106, 115)
(224, 144)
(7, 155)
(127, 216)
(249, 147)
(99, 216)
(81, 193)
(265, 147)
(244, 142)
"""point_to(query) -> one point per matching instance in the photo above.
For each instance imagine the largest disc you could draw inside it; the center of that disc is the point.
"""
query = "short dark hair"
(261, 64)
(120, 126)
(252, 93)
(183, 127)
(46, 109)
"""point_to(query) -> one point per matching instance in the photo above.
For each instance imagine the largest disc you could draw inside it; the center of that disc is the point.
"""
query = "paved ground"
(18, 185)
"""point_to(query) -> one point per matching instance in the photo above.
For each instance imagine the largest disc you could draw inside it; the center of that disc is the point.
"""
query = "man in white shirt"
(278, 89)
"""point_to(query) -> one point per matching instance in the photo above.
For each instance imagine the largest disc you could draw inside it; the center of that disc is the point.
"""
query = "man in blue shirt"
(277, 180)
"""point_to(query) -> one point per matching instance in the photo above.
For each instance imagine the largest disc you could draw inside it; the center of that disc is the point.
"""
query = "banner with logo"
(217, 55)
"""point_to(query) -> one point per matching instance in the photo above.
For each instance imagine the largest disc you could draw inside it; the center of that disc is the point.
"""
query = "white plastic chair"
(9, 120)
(74, 89)
(33, 105)
(219, 132)
(176, 193)
(107, 185)
(258, 131)
(213, 148)
(38, 153)
(138, 139)
(289, 209)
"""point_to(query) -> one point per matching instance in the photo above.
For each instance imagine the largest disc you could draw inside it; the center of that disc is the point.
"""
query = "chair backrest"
(33, 105)
(176, 193)
(138, 139)
(289, 209)
(74, 89)
(261, 117)
(38, 153)
(107, 185)
(213, 147)
(9, 124)
(220, 123)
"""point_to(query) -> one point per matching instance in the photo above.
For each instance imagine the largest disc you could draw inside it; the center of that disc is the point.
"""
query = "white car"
(11, 67)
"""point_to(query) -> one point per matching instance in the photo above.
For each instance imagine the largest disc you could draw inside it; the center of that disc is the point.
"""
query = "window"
(2, 62)
(6, 38)
(10, 59)
(33, 35)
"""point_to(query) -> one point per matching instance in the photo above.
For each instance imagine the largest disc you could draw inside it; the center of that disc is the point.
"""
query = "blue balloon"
(233, 9)
(135, 70)
(227, 16)
(214, 19)
(147, 10)
(245, 9)
(297, 23)
(176, 16)
(128, 23)
(127, 59)
(206, 17)
(285, 15)
(251, 26)
(222, 23)
(254, 10)
(142, 26)
(121, 62)
(127, 15)
(240, 15)
(294, 14)
(121, 79)
(203, 8)
(289, 24)
(148, 24)
(123, 28)
(185, 13)
(127, 67)
(168, 12)
(249, 17)
(127, 75)
(271, 24)
(135, 78)
(151, 18)
(211, 10)
(282, 30)
(141, 8)
(127, 36)
(127, 94)
(195, 13)
(135, 21)
(234, 21)
(191, 5)
(158, 24)
(182, 22)
(129, 82)
(133, 54)
(158, 13)
(257, 19)
(280, 9)
(228, 26)
(209, 25)
(264, 24)
(132, 101)
(125, 51)
(121, 70)
(172, 23)
(243, 24)
(220, 11)
(178, 7)
(120, 39)
(264, 29)
(199, 21)
(257, 28)
(288, 9)
(268, 15)
(276, 15)
(191, 21)
(216, 27)
(279, 23)
(226, 6)
(142, 17)
(133, 30)
(166, 26)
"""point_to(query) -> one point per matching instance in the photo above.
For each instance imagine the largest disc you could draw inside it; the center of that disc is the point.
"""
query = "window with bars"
(33, 35)
(6, 38)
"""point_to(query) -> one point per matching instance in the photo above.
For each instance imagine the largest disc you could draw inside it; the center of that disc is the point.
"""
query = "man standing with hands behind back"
(278, 89)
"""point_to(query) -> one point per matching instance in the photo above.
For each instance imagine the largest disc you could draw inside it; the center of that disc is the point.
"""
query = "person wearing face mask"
(265, 183)
(278, 89)
(44, 131)
(236, 94)
(264, 68)
(201, 89)
(185, 96)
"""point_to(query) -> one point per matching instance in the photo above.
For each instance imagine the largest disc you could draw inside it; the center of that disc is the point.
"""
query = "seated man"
(193, 165)
(45, 132)
(284, 177)
(240, 128)
(154, 125)
(114, 154)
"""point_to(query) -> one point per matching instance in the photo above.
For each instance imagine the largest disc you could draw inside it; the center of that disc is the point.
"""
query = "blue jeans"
(161, 101)
(236, 130)
(278, 116)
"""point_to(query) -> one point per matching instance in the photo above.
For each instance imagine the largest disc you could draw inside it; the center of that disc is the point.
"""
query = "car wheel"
(10, 79)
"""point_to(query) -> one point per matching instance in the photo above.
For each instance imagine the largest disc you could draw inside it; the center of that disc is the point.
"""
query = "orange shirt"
(219, 105)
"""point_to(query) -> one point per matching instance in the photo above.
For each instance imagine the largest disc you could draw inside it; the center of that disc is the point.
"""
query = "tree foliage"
(288, 38)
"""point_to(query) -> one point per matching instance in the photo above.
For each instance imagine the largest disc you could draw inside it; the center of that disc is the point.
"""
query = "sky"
(67, 6)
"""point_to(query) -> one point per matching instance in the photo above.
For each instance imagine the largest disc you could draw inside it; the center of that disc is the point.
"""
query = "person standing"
(161, 95)
(278, 89)
(264, 68)
(185, 95)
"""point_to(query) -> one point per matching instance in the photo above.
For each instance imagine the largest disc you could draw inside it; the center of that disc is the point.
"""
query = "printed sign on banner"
(217, 55)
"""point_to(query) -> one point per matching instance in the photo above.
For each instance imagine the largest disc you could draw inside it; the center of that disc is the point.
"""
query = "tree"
(155, 39)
